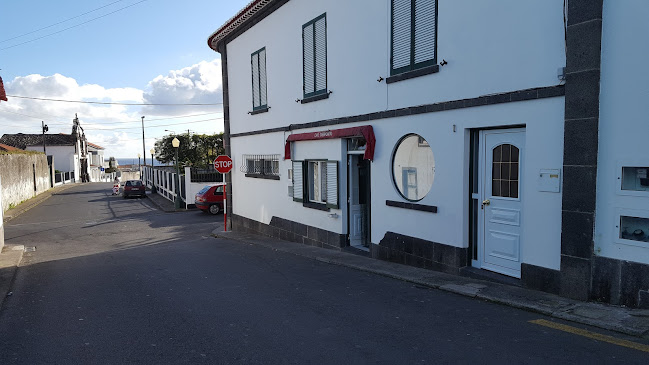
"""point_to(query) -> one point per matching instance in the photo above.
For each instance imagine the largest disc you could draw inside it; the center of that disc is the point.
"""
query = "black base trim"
(412, 74)
(413, 206)
(412, 251)
(287, 230)
(507, 97)
(317, 206)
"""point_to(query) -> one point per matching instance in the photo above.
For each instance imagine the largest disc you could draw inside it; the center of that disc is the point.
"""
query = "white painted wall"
(623, 126)
(62, 156)
(489, 46)
(496, 47)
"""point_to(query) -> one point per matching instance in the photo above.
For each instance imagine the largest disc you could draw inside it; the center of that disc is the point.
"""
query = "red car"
(134, 187)
(210, 199)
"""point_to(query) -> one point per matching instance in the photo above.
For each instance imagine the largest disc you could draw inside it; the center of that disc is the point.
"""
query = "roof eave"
(242, 17)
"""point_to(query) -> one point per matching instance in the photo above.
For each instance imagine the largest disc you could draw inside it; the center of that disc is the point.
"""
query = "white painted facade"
(523, 48)
(623, 127)
(62, 156)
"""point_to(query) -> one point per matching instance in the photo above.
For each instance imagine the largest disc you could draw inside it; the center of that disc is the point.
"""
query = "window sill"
(311, 99)
(413, 206)
(262, 176)
(259, 111)
(412, 74)
(318, 206)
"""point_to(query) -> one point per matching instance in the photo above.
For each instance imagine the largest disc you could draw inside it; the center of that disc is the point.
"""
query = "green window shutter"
(320, 55)
(425, 30)
(332, 184)
(413, 35)
(401, 35)
(263, 102)
(308, 59)
(298, 181)
(254, 61)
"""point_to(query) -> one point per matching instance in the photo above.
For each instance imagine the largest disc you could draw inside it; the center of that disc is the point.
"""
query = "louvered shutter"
(254, 62)
(332, 184)
(321, 54)
(425, 28)
(308, 59)
(401, 33)
(298, 182)
(262, 78)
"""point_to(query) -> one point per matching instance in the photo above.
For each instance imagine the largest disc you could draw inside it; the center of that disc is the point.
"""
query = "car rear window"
(137, 183)
(128, 183)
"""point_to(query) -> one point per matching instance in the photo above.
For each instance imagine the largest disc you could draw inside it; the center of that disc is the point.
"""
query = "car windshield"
(204, 190)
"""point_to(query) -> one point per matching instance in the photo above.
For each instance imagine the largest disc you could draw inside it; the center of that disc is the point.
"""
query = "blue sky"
(153, 51)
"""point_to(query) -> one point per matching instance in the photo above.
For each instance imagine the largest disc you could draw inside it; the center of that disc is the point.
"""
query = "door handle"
(485, 202)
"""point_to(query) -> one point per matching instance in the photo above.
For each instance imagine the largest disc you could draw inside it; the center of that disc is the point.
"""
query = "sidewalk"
(633, 322)
(164, 204)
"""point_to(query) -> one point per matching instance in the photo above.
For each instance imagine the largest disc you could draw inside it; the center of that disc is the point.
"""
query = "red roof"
(5, 147)
(95, 146)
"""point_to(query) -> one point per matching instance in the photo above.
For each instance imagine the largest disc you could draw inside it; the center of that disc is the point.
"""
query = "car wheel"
(215, 209)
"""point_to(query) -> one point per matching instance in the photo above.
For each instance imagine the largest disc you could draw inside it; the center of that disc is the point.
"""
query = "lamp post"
(176, 143)
(139, 166)
(152, 175)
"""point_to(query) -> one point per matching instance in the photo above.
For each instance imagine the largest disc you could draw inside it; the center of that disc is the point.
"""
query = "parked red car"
(210, 198)
(134, 187)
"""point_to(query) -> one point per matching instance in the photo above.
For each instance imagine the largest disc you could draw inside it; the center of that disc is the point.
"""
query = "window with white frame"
(258, 68)
(315, 183)
(314, 56)
(413, 34)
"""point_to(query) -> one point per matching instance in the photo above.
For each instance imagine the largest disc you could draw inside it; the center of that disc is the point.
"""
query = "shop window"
(413, 167)
(315, 183)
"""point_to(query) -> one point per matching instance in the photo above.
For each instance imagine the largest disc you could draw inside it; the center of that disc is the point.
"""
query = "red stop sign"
(223, 164)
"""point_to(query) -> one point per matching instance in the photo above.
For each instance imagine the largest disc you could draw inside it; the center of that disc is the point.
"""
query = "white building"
(456, 136)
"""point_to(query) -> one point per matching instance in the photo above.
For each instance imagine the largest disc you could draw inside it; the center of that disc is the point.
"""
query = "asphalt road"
(115, 281)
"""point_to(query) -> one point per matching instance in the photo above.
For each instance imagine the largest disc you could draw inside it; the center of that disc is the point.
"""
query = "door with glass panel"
(500, 215)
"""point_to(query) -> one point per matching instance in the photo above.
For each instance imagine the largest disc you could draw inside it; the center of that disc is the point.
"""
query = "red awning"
(365, 131)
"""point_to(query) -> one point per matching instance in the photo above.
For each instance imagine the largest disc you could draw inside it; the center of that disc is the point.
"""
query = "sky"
(112, 51)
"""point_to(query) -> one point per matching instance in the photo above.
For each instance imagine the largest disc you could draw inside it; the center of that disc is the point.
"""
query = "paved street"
(115, 281)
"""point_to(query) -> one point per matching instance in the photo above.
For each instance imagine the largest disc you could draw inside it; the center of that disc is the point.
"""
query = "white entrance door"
(499, 217)
(357, 211)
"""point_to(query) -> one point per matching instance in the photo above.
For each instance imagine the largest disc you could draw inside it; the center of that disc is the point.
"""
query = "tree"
(197, 150)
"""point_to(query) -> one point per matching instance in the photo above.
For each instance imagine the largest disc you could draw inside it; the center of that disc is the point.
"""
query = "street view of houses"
(329, 182)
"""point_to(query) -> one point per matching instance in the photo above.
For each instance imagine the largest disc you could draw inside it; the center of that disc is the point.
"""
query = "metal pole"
(177, 200)
(143, 148)
(225, 205)
(45, 129)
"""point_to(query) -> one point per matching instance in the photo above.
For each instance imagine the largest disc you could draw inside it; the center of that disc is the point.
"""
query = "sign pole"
(225, 205)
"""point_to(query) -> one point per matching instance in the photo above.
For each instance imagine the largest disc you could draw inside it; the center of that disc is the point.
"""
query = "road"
(115, 281)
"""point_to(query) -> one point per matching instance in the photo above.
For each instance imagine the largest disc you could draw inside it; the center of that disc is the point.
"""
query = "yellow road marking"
(593, 335)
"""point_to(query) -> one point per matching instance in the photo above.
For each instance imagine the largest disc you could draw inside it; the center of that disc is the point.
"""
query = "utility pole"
(143, 148)
(45, 129)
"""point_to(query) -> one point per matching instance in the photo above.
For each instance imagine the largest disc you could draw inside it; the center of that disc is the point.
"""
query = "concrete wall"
(17, 172)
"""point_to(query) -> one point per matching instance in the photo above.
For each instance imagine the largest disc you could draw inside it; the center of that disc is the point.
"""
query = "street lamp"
(152, 175)
(176, 143)
(143, 148)
(152, 153)
(139, 166)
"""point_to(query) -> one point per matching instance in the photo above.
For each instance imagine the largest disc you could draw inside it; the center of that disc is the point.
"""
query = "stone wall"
(23, 177)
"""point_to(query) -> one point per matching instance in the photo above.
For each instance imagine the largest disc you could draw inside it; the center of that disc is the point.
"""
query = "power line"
(152, 126)
(74, 26)
(110, 103)
(61, 22)
(108, 123)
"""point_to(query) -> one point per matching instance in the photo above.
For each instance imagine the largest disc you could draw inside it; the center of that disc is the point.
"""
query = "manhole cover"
(30, 248)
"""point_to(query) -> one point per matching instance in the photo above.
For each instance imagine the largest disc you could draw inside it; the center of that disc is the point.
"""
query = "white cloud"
(199, 83)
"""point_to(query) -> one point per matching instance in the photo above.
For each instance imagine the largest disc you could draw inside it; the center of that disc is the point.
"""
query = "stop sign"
(223, 164)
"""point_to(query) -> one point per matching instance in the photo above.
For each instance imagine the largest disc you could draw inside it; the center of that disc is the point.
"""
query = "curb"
(472, 290)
